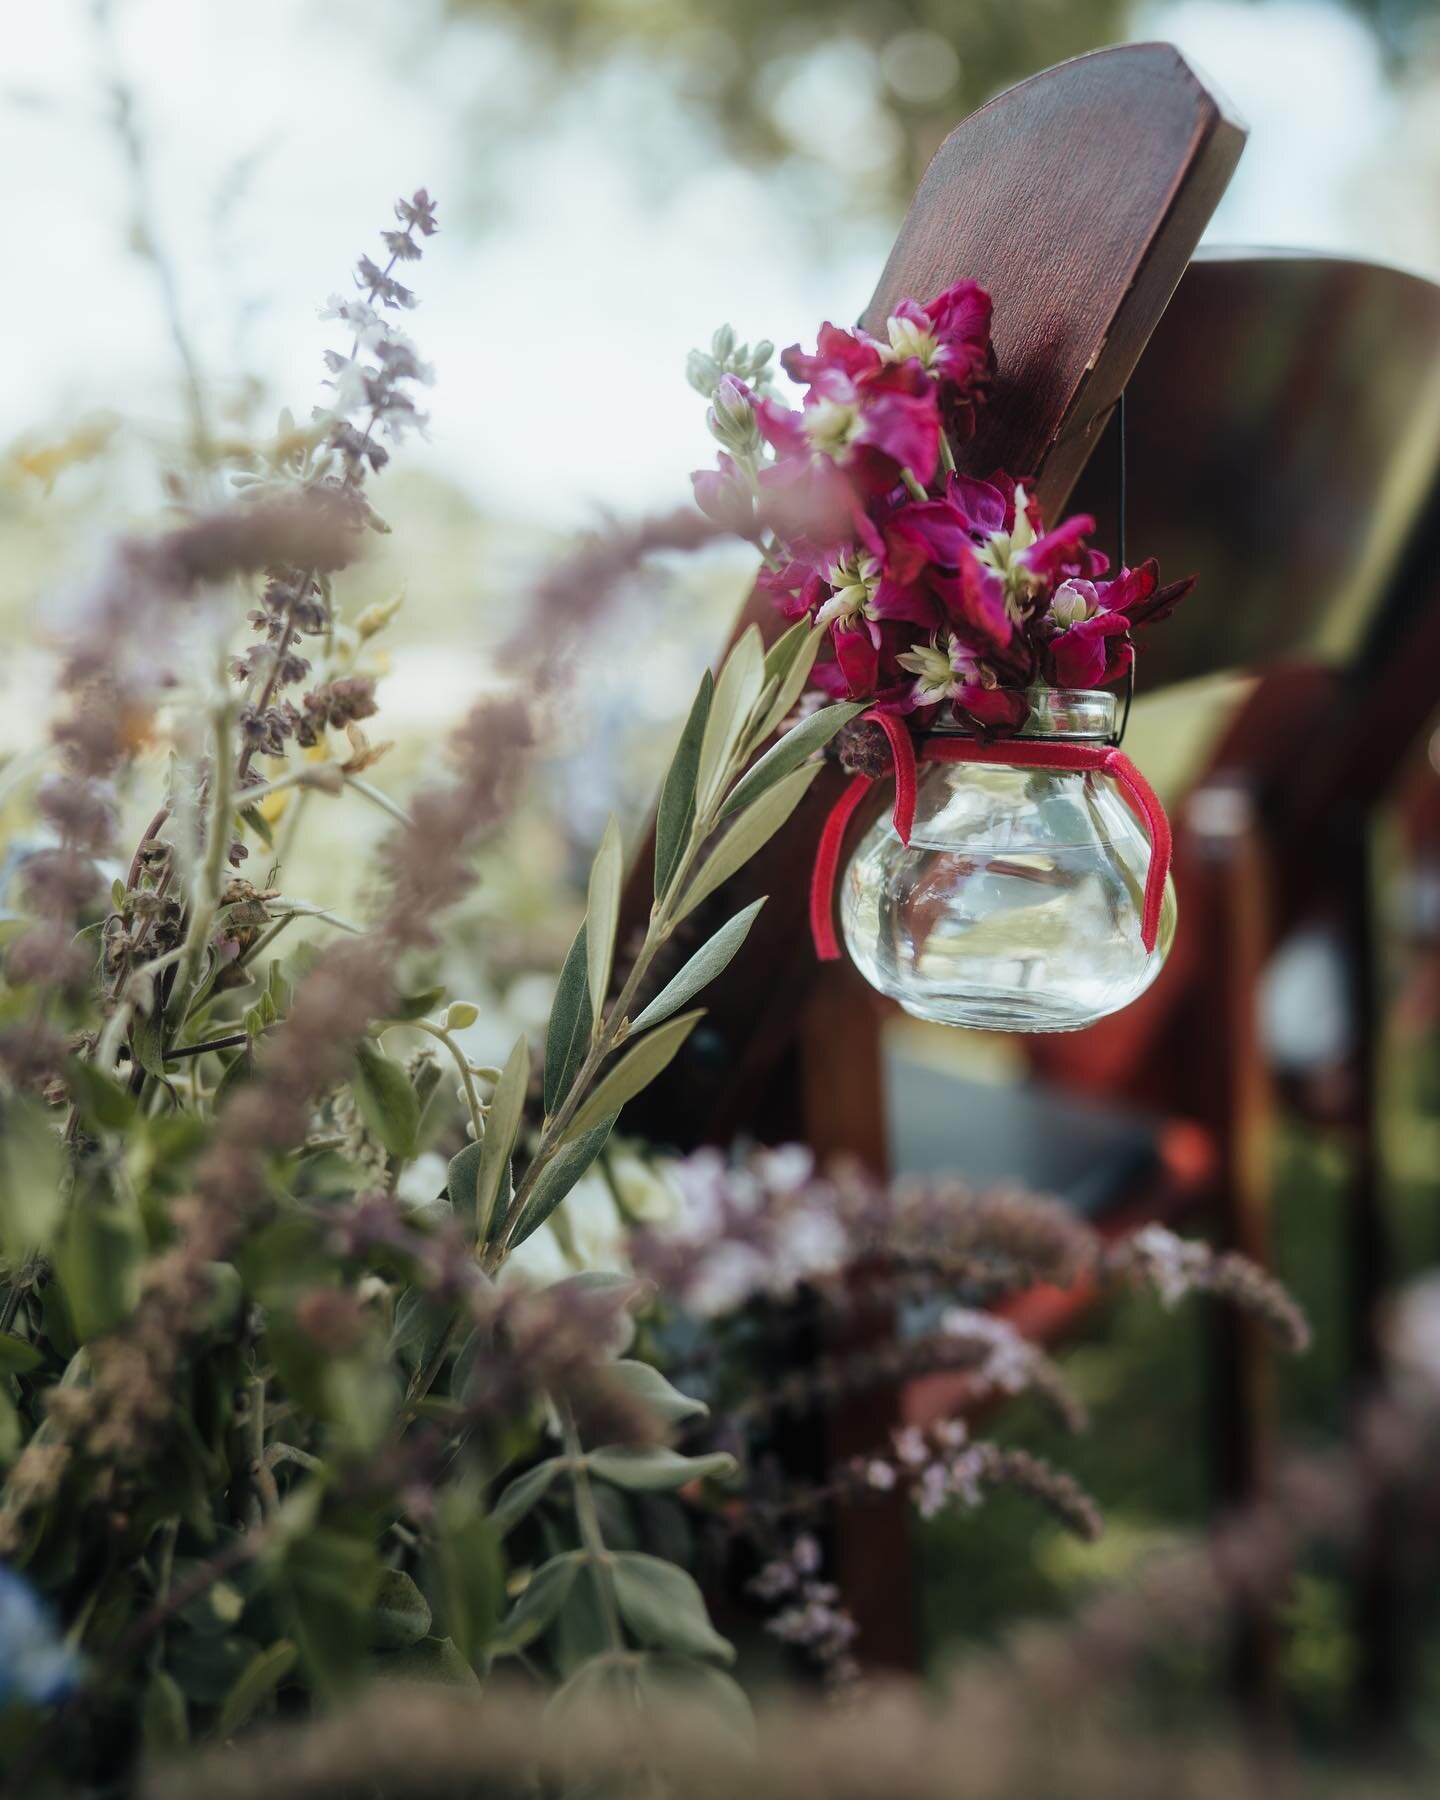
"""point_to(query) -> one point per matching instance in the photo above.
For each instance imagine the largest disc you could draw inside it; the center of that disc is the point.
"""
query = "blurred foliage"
(867, 88)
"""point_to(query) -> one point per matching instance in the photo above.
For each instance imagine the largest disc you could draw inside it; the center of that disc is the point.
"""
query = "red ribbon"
(1025, 753)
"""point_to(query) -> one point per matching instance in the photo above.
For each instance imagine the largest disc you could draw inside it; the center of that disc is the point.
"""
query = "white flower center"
(831, 426)
(931, 665)
(907, 339)
(854, 577)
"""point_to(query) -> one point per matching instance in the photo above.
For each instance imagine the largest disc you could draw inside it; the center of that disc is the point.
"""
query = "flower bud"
(377, 617)
(724, 495)
(459, 1014)
(732, 417)
(702, 372)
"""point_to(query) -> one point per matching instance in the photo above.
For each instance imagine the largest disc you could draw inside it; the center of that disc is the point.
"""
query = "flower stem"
(462, 1062)
(591, 1535)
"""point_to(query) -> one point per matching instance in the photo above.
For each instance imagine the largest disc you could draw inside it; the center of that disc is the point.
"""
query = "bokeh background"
(615, 178)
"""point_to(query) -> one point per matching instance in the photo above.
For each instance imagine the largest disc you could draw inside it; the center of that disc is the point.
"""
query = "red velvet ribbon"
(1025, 753)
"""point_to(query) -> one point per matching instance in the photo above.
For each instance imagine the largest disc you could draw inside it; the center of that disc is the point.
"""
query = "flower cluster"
(809, 1615)
(370, 396)
(937, 588)
(942, 1465)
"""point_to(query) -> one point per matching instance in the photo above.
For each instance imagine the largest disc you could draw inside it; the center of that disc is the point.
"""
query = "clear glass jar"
(1016, 905)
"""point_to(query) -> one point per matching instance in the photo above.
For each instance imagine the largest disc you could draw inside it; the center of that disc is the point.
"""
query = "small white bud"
(459, 1014)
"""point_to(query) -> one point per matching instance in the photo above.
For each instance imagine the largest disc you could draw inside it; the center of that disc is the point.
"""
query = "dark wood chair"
(1281, 432)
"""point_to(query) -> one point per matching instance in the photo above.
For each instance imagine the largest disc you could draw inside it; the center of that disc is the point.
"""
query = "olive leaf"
(522, 1494)
(602, 915)
(657, 1470)
(636, 1069)
(701, 969)
(502, 1127)
(468, 1581)
(796, 747)
(646, 1384)
(662, 1605)
(560, 1175)
(791, 659)
(544, 1595)
(569, 1030)
(735, 694)
(677, 797)
(751, 830)
(258, 1680)
(387, 1101)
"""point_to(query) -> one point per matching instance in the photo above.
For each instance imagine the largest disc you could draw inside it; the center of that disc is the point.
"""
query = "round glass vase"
(1016, 905)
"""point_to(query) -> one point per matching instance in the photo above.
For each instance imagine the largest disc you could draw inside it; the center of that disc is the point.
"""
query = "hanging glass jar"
(1029, 896)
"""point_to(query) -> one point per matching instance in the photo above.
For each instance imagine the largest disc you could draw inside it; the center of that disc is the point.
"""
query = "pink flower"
(725, 495)
(864, 413)
(1088, 624)
(950, 338)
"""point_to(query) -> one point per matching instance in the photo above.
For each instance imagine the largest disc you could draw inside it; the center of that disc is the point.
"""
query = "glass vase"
(1017, 904)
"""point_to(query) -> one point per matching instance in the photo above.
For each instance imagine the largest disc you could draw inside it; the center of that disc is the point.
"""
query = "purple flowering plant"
(280, 1423)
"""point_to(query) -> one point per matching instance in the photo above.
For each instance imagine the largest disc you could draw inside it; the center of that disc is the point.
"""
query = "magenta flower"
(950, 338)
(868, 415)
(1088, 624)
(725, 495)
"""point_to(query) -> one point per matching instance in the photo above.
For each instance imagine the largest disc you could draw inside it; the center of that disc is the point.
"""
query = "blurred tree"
(865, 89)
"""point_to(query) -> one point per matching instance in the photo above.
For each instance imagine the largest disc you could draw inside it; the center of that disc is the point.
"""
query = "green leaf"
(794, 748)
(103, 1104)
(651, 1389)
(238, 1070)
(801, 644)
(415, 1006)
(147, 1040)
(97, 1262)
(599, 1687)
(569, 1032)
(10, 1429)
(702, 968)
(32, 1167)
(668, 1682)
(331, 1575)
(602, 914)
(17, 1357)
(469, 1572)
(662, 1605)
(750, 832)
(502, 1127)
(735, 694)
(462, 1180)
(636, 1069)
(402, 1613)
(434, 1660)
(561, 1173)
(522, 1494)
(387, 1101)
(657, 1470)
(262, 1675)
(677, 797)
(545, 1594)
(163, 1721)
